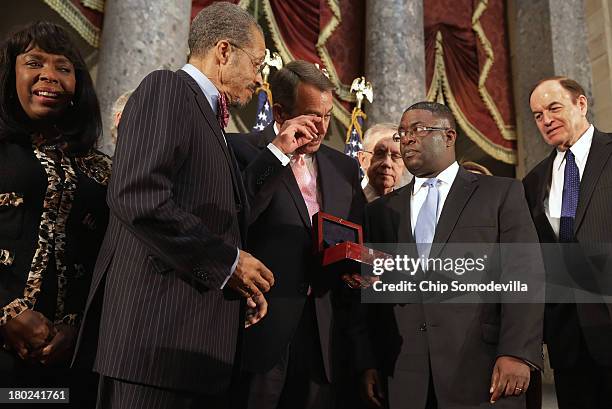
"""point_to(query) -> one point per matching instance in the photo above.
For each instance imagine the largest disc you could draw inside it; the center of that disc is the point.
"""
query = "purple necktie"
(569, 204)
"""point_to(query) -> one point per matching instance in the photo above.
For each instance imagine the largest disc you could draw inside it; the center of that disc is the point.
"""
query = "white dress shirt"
(554, 198)
(419, 192)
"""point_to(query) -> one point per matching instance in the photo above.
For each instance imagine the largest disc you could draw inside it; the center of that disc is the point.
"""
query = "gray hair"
(221, 21)
(376, 132)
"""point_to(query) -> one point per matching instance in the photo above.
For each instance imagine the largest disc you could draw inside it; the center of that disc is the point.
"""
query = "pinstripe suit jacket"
(177, 205)
(570, 329)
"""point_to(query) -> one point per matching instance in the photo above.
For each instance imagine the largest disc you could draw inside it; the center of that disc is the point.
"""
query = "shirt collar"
(208, 88)
(581, 148)
(447, 176)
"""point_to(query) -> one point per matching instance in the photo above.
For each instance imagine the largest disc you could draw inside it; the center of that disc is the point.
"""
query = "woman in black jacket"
(53, 213)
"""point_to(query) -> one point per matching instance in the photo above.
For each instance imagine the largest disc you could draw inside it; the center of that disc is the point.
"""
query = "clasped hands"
(34, 338)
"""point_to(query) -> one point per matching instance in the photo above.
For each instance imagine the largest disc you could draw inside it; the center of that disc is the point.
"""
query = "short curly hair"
(220, 21)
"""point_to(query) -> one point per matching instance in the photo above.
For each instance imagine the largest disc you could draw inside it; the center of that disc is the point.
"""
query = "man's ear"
(583, 104)
(279, 114)
(117, 118)
(450, 137)
(362, 159)
(222, 51)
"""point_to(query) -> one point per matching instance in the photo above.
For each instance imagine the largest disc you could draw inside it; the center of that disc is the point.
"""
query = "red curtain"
(197, 5)
(468, 68)
(327, 32)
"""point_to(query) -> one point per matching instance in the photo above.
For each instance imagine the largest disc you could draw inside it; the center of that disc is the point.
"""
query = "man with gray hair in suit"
(166, 308)
(381, 161)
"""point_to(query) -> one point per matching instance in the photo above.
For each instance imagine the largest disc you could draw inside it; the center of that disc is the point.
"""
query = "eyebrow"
(35, 54)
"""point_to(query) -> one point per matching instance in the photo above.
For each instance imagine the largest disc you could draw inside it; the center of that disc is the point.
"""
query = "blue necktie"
(569, 204)
(425, 226)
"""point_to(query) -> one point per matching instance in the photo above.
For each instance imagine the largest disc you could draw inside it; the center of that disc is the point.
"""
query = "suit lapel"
(207, 111)
(287, 177)
(541, 193)
(401, 214)
(600, 151)
(464, 185)
(210, 117)
(326, 174)
(294, 190)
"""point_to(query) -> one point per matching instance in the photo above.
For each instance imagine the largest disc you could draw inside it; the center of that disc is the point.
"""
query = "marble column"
(395, 57)
(138, 36)
(547, 37)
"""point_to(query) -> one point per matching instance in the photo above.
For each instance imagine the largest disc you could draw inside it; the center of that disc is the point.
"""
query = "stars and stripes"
(264, 108)
(354, 135)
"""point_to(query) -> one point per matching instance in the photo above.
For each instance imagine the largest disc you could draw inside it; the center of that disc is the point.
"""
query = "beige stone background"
(599, 29)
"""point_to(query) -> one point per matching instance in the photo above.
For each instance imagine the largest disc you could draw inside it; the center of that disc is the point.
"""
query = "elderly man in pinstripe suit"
(165, 313)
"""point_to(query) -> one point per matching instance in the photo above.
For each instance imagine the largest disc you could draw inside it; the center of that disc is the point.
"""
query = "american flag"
(264, 108)
(354, 135)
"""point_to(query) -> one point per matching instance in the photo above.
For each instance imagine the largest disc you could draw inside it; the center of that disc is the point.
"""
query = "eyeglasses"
(419, 131)
(257, 66)
(382, 155)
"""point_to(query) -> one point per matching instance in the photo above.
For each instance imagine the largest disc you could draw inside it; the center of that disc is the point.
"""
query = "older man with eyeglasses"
(381, 160)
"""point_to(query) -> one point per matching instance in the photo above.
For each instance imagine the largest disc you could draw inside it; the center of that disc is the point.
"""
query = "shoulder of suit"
(383, 201)
(494, 180)
(244, 138)
(538, 169)
(606, 135)
(337, 156)
(171, 80)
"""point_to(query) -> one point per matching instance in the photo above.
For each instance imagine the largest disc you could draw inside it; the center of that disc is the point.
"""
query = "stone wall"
(598, 15)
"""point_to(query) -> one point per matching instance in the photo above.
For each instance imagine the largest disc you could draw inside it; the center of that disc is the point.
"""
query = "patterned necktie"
(425, 226)
(569, 203)
(222, 111)
(307, 183)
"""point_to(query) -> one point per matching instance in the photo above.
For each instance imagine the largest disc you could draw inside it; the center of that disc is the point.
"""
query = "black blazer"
(52, 222)
(177, 207)
(280, 235)
(573, 329)
(458, 342)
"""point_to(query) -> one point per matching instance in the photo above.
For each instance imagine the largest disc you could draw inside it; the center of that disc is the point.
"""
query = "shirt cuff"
(232, 269)
(284, 160)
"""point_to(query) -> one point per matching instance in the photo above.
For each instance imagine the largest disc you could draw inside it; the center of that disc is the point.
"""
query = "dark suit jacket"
(573, 329)
(176, 203)
(455, 344)
(280, 235)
